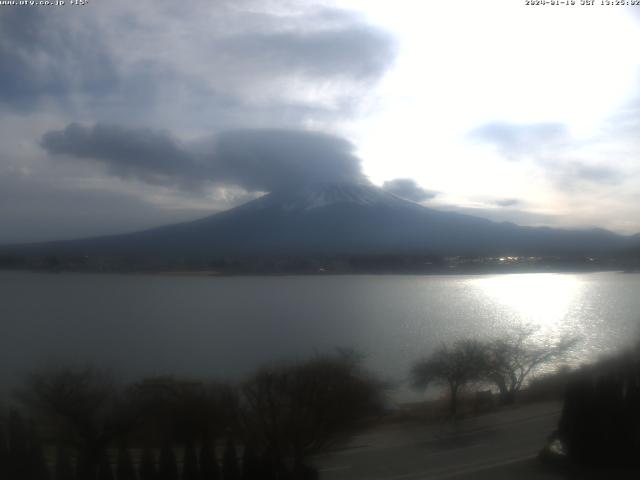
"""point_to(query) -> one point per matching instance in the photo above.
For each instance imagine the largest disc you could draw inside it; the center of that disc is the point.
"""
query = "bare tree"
(452, 366)
(83, 407)
(292, 411)
(186, 411)
(510, 360)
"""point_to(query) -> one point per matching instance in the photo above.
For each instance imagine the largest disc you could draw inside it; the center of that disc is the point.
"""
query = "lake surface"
(221, 328)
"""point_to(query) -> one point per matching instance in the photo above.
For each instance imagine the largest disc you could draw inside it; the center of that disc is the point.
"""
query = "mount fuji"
(329, 219)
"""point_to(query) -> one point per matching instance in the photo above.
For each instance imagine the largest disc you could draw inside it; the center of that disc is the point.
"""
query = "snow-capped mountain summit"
(320, 195)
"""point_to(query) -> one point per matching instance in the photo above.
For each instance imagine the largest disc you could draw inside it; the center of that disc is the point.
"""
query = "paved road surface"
(493, 446)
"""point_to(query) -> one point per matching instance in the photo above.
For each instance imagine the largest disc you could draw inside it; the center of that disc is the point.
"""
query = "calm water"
(225, 327)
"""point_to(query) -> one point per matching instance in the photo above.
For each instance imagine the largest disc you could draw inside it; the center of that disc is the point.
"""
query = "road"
(498, 445)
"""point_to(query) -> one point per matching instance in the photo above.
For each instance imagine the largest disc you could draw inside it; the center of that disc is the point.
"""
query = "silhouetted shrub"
(168, 467)
(125, 469)
(4, 448)
(21, 451)
(209, 469)
(184, 411)
(63, 469)
(549, 386)
(190, 463)
(230, 469)
(105, 472)
(38, 469)
(86, 467)
(269, 464)
(19, 458)
(600, 422)
(148, 470)
(250, 464)
(301, 471)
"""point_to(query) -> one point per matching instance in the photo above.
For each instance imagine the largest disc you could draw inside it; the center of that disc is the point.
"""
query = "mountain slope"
(336, 219)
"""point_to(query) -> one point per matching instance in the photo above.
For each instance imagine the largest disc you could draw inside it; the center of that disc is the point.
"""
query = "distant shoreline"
(218, 274)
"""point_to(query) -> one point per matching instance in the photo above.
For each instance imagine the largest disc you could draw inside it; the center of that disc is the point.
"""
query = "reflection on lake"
(225, 327)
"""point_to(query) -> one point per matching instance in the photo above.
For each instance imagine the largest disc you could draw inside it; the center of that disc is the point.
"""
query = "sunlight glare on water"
(538, 299)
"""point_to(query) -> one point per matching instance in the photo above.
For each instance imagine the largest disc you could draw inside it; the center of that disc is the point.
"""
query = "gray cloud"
(576, 173)
(48, 55)
(516, 141)
(217, 63)
(409, 189)
(273, 159)
(151, 156)
(351, 51)
(511, 215)
(507, 202)
(553, 149)
(256, 160)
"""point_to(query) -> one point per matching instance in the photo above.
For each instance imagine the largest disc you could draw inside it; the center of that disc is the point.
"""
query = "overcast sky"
(121, 115)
